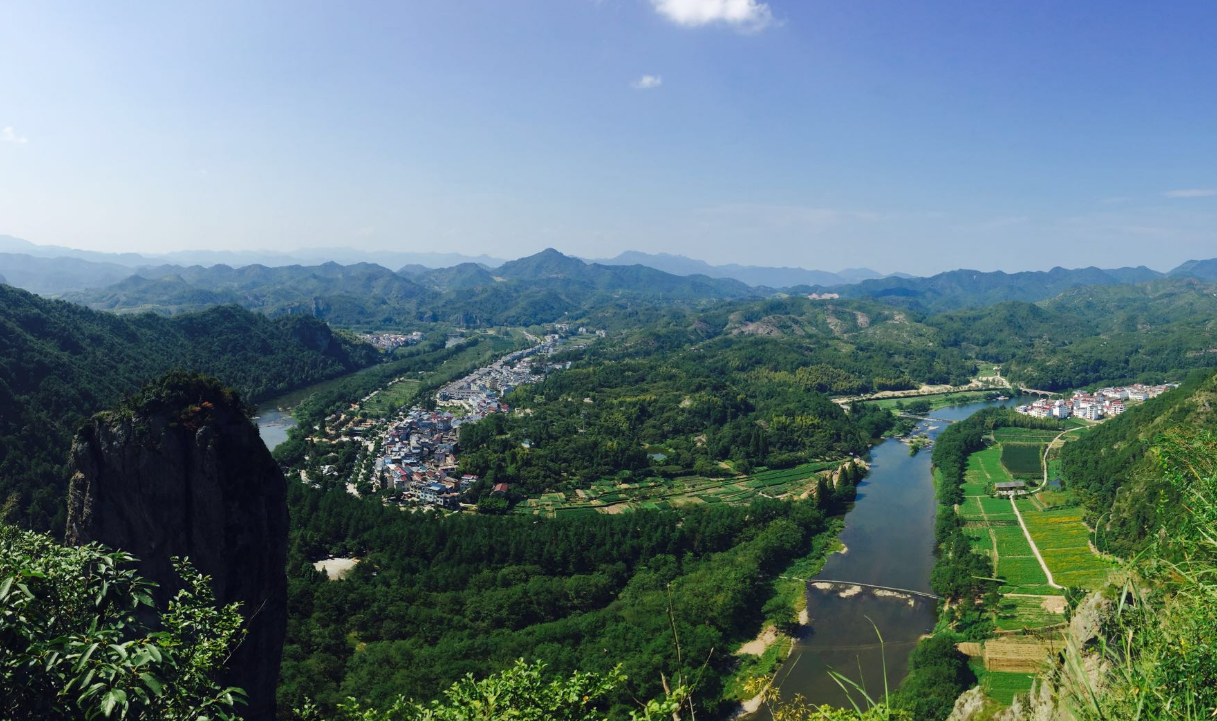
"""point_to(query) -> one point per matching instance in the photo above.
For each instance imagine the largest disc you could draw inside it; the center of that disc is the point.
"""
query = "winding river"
(889, 540)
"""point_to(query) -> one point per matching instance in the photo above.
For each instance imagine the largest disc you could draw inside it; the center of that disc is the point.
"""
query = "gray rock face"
(189, 476)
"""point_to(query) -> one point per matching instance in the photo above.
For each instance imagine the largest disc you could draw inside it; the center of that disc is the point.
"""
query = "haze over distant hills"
(545, 285)
(972, 288)
(771, 277)
(539, 288)
(303, 256)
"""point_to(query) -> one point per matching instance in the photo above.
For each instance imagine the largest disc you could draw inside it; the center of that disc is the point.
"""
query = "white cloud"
(9, 135)
(1191, 193)
(647, 82)
(744, 14)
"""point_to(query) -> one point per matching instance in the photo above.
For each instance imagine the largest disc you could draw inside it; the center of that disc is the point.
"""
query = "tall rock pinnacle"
(180, 470)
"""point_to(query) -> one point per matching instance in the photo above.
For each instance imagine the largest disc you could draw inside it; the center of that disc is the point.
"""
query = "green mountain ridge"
(60, 363)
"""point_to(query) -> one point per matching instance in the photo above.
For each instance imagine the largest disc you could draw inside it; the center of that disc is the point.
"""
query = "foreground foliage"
(80, 639)
(523, 692)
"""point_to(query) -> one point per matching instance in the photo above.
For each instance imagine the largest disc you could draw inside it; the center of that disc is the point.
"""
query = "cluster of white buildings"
(1103, 403)
(418, 452)
(389, 341)
(484, 384)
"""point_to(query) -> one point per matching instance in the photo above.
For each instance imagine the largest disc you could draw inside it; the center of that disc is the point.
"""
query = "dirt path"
(1049, 448)
(1034, 548)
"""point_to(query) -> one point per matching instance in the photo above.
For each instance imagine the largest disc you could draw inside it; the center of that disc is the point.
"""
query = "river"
(889, 540)
(274, 417)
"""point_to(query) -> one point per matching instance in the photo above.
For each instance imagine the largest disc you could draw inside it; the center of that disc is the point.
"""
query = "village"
(389, 341)
(1103, 403)
(416, 458)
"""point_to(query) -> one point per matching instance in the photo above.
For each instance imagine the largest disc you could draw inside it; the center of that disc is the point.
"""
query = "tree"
(522, 692)
(80, 638)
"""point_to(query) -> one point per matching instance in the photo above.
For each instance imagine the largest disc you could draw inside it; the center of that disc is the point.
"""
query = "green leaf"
(113, 697)
(152, 682)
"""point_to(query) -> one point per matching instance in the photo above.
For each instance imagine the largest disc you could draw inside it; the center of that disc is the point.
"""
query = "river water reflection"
(889, 537)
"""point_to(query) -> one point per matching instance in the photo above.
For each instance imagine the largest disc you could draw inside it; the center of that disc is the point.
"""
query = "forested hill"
(60, 363)
(972, 289)
(1118, 478)
(539, 289)
(1160, 330)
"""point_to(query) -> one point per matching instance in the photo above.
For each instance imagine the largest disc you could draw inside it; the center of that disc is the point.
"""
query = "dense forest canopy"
(436, 597)
(748, 400)
(60, 363)
(1116, 476)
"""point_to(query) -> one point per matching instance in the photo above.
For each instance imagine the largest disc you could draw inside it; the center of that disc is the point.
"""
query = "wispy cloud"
(750, 15)
(9, 135)
(647, 82)
(1191, 193)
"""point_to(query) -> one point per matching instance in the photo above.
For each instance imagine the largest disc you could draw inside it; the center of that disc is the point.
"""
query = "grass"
(753, 667)
(1002, 686)
(1023, 459)
(397, 393)
(1015, 613)
(936, 400)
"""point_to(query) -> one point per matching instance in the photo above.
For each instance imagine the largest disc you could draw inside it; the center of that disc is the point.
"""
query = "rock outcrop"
(180, 470)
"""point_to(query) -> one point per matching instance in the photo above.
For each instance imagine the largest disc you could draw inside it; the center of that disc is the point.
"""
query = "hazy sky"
(914, 136)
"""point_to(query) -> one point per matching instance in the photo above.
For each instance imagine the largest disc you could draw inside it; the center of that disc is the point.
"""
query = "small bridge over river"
(871, 586)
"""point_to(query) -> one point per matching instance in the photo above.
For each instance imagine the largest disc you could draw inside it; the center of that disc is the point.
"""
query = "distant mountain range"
(675, 264)
(304, 256)
(971, 288)
(546, 285)
(537, 289)
(751, 274)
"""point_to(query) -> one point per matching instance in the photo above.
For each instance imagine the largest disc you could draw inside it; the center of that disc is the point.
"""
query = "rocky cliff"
(180, 470)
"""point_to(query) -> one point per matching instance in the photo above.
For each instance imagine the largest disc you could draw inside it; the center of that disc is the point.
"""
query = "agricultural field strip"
(1034, 549)
(1065, 543)
(805, 472)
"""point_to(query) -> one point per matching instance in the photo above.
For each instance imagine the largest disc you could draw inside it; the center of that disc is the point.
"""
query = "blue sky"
(902, 136)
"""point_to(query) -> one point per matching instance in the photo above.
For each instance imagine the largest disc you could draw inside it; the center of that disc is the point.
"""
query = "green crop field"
(970, 509)
(996, 507)
(1063, 540)
(1011, 543)
(1023, 459)
(1008, 434)
(1020, 574)
(1019, 612)
(1002, 686)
